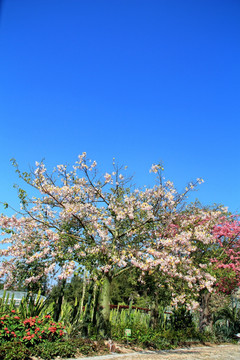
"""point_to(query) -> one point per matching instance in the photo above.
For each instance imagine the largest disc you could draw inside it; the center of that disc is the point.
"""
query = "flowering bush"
(32, 330)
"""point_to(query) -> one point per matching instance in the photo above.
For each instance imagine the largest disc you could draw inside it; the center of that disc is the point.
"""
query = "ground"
(218, 352)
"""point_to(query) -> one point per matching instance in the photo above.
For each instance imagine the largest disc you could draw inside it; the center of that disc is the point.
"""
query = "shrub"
(68, 348)
(15, 350)
(181, 318)
(49, 350)
(227, 322)
(31, 331)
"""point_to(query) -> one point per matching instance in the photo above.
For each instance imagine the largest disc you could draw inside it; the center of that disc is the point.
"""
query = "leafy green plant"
(179, 330)
(72, 323)
(129, 317)
(227, 322)
(69, 348)
(7, 303)
(14, 351)
(31, 330)
(11, 327)
(33, 305)
(181, 319)
(49, 350)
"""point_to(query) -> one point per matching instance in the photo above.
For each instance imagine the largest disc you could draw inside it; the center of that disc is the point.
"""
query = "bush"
(181, 318)
(68, 348)
(49, 350)
(227, 322)
(31, 331)
(160, 339)
(15, 350)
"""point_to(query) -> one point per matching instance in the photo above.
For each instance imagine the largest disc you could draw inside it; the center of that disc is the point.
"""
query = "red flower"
(52, 329)
(13, 311)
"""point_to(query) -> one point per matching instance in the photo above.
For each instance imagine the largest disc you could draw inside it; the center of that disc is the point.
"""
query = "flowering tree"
(81, 220)
(182, 252)
(215, 253)
(227, 263)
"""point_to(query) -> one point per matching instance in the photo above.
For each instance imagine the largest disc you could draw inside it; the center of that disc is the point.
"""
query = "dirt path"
(220, 352)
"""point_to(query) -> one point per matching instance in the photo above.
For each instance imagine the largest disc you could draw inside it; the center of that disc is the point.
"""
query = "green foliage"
(181, 319)
(141, 333)
(30, 330)
(72, 324)
(7, 304)
(23, 271)
(17, 350)
(129, 318)
(72, 291)
(49, 350)
(179, 330)
(159, 339)
(125, 288)
(69, 348)
(186, 336)
(227, 322)
(14, 351)
(32, 305)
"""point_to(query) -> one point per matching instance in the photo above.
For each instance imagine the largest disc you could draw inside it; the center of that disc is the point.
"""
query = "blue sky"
(141, 81)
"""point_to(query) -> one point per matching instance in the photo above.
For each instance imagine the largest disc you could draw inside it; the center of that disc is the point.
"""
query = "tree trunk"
(205, 319)
(104, 308)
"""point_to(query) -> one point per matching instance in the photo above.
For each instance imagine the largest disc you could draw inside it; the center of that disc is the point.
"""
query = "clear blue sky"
(140, 81)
